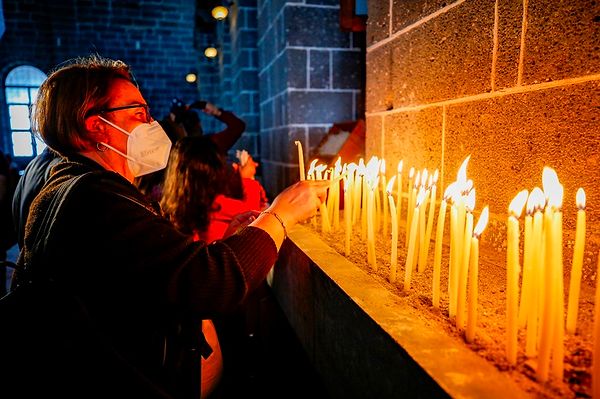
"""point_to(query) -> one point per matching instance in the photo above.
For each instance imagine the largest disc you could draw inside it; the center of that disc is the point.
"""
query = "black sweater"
(132, 268)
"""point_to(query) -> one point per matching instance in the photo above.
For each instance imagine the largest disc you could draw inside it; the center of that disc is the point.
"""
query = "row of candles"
(537, 306)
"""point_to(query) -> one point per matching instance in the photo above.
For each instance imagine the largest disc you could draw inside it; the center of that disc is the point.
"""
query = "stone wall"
(155, 38)
(514, 84)
(310, 76)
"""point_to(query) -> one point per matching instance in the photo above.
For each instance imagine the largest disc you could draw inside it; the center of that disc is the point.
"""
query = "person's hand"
(212, 109)
(300, 201)
(248, 170)
(239, 222)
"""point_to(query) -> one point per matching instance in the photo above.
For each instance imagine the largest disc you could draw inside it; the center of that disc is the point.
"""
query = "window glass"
(21, 87)
(22, 144)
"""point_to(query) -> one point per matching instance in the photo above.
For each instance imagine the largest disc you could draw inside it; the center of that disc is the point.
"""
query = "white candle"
(394, 220)
(575, 283)
(410, 255)
(437, 259)
(474, 275)
(596, 349)
(512, 275)
(347, 214)
(537, 276)
(400, 191)
(384, 202)
(464, 267)
(300, 160)
(411, 193)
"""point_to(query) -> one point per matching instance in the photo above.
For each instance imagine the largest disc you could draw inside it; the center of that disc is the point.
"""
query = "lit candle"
(426, 185)
(575, 283)
(412, 193)
(437, 259)
(596, 349)
(336, 193)
(461, 298)
(473, 275)
(347, 215)
(512, 275)
(558, 346)
(371, 226)
(526, 284)
(537, 268)
(400, 191)
(384, 202)
(394, 220)
(410, 255)
(550, 302)
(428, 230)
(300, 160)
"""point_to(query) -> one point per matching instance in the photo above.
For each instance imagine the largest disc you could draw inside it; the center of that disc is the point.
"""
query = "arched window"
(21, 85)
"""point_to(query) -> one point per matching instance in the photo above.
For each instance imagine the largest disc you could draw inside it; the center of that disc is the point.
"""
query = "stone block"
(248, 80)
(415, 137)
(314, 27)
(510, 16)
(407, 13)
(447, 57)
(320, 69)
(347, 69)
(512, 138)
(380, 96)
(266, 115)
(378, 23)
(296, 68)
(562, 41)
(250, 18)
(320, 106)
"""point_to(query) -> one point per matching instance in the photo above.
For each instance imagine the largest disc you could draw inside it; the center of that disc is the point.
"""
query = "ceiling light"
(219, 13)
(210, 52)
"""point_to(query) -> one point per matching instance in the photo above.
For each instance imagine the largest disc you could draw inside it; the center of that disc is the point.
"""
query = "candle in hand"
(473, 275)
(575, 284)
(300, 160)
(394, 220)
(512, 275)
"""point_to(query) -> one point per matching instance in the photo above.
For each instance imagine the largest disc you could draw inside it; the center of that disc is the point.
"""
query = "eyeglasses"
(147, 116)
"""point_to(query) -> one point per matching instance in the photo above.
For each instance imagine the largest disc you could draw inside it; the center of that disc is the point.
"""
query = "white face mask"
(148, 147)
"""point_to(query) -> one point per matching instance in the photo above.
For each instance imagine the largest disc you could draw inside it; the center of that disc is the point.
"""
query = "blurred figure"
(183, 121)
(8, 181)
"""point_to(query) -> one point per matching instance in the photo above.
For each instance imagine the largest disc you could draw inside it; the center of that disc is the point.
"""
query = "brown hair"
(195, 176)
(69, 94)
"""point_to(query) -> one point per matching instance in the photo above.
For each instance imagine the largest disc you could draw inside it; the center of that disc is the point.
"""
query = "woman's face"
(123, 93)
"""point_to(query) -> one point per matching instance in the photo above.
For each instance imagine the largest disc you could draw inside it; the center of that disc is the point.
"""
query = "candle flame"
(417, 180)
(549, 180)
(420, 197)
(517, 204)
(449, 193)
(411, 172)
(580, 199)
(382, 169)
(461, 176)
(400, 165)
(470, 201)
(482, 223)
(467, 187)
(390, 185)
(424, 176)
(555, 199)
(436, 175)
(537, 199)
(338, 165)
(311, 169)
(530, 207)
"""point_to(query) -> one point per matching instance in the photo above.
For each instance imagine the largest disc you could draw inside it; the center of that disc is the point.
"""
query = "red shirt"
(254, 200)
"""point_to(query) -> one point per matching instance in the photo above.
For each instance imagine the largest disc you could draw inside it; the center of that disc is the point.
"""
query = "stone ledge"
(364, 346)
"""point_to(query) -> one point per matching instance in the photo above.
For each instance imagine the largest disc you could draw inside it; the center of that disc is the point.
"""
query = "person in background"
(183, 121)
(138, 276)
(8, 182)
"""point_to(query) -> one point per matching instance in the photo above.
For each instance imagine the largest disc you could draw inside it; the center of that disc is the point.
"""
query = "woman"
(196, 197)
(132, 269)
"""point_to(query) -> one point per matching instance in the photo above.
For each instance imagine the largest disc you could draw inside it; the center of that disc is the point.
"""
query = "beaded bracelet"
(280, 221)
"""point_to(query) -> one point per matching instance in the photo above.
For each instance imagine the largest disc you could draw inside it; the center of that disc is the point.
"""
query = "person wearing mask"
(135, 273)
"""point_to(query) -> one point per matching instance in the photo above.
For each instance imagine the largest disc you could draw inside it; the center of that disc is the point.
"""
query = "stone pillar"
(310, 76)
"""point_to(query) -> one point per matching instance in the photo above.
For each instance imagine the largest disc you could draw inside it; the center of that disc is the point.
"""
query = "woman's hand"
(300, 201)
(239, 222)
